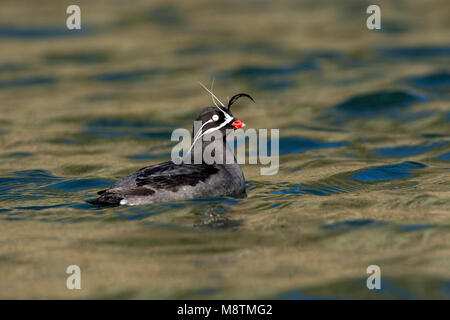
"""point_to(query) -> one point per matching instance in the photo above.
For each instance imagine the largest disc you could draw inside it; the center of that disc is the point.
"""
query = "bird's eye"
(215, 117)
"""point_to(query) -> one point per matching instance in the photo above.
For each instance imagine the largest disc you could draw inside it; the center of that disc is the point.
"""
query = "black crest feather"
(237, 96)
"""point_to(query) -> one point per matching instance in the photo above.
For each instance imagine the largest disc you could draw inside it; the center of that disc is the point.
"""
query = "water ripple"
(388, 172)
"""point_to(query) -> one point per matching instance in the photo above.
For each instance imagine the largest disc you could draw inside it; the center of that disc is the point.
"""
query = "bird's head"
(218, 117)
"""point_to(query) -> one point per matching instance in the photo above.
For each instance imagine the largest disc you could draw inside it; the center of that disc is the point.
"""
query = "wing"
(164, 176)
(170, 176)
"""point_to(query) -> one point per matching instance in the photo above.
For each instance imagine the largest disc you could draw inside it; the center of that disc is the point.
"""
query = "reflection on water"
(388, 172)
(352, 224)
(424, 52)
(388, 104)
(364, 151)
(126, 76)
(436, 83)
(392, 288)
(407, 151)
(444, 157)
(31, 81)
(38, 33)
(77, 57)
(120, 128)
(297, 145)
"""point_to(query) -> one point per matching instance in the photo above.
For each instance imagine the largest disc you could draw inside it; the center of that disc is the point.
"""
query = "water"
(364, 150)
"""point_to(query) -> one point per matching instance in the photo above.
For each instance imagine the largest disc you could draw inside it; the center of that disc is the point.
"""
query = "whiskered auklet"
(169, 181)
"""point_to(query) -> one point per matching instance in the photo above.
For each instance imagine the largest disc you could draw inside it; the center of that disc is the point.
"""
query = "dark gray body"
(176, 182)
(171, 182)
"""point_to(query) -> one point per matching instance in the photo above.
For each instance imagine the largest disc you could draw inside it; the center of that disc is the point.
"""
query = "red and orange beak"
(238, 124)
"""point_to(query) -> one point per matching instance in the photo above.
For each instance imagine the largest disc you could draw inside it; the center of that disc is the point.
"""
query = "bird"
(174, 181)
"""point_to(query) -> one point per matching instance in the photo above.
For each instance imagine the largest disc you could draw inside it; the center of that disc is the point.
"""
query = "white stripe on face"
(199, 132)
(228, 119)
